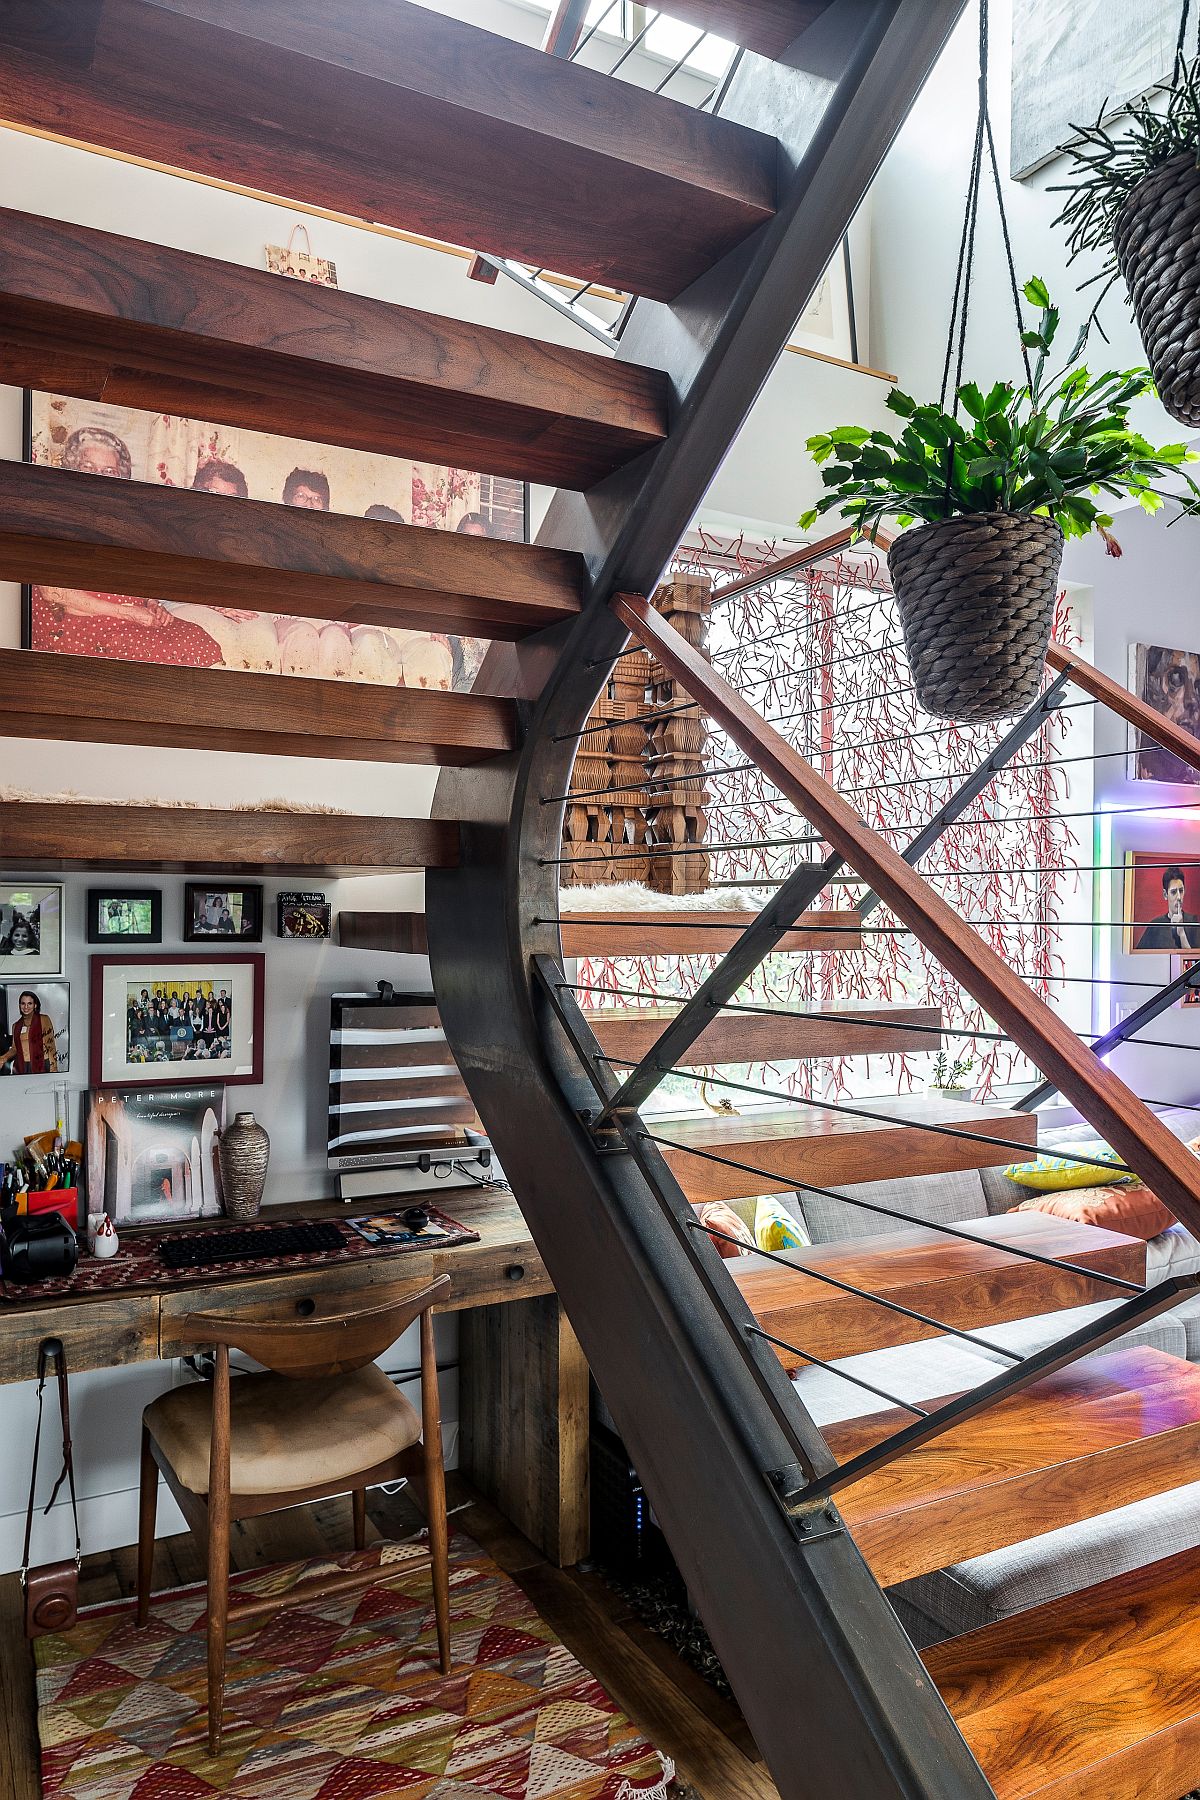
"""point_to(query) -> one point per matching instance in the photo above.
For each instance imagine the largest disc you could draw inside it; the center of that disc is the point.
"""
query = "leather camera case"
(51, 1598)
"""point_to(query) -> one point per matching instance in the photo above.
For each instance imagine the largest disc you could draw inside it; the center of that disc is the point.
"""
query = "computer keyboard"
(197, 1249)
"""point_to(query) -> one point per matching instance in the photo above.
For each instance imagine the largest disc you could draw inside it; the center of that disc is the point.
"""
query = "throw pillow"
(1133, 1211)
(774, 1226)
(722, 1224)
(1051, 1174)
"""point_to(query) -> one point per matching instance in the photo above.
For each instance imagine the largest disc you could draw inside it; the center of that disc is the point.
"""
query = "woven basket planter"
(976, 601)
(1157, 240)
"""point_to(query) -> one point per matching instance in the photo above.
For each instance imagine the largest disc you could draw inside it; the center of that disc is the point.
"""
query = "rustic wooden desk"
(523, 1384)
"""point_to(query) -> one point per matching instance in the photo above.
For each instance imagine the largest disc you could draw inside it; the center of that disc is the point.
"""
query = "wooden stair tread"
(70, 530)
(957, 1280)
(1092, 1697)
(75, 835)
(426, 123)
(102, 700)
(1088, 1439)
(764, 26)
(829, 1029)
(803, 1142)
(607, 934)
(90, 313)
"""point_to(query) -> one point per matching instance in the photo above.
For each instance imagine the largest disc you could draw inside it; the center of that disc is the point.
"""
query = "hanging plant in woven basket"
(1134, 195)
(992, 485)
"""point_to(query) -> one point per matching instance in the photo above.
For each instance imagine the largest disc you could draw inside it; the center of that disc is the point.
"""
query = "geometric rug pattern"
(337, 1699)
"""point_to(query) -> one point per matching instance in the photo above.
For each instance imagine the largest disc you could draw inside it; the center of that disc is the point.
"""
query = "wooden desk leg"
(524, 1418)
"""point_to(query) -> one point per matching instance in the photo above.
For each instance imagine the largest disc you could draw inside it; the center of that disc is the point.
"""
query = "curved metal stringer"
(836, 1697)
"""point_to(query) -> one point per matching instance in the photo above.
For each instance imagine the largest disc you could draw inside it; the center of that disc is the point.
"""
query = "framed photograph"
(222, 912)
(1162, 903)
(35, 1027)
(124, 915)
(304, 915)
(1183, 965)
(117, 442)
(1168, 681)
(151, 1153)
(155, 1018)
(31, 932)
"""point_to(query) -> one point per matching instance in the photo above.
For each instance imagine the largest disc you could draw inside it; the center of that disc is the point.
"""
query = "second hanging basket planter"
(1157, 241)
(976, 597)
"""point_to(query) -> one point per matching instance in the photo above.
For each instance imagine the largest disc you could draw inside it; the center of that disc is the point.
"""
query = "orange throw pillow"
(722, 1219)
(1133, 1211)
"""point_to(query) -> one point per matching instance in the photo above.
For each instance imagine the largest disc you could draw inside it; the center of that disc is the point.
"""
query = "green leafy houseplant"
(1134, 196)
(994, 487)
(951, 1077)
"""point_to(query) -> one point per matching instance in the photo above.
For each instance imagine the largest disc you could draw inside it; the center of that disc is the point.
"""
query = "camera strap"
(52, 1349)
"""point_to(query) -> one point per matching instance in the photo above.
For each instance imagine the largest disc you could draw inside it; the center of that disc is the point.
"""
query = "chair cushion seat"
(286, 1434)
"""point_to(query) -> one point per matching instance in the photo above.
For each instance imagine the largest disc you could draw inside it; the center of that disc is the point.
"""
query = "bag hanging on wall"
(301, 265)
(52, 1590)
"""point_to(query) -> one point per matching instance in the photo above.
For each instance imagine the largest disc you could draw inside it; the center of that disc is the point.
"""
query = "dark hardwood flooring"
(675, 1708)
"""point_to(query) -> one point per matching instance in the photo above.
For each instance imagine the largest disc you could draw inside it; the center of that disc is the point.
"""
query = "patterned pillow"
(722, 1224)
(1053, 1174)
(774, 1226)
(1133, 1211)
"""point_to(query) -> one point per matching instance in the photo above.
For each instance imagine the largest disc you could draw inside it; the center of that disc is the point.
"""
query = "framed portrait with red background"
(1162, 903)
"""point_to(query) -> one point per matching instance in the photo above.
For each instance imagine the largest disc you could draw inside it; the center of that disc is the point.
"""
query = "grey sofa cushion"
(942, 1199)
(1044, 1568)
(914, 1372)
(1166, 1332)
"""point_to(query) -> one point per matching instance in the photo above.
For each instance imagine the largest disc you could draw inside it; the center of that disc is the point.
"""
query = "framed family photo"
(35, 1027)
(222, 912)
(119, 443)
(124, 915)
(1162, 903)
(165, 1018)
(31, 931)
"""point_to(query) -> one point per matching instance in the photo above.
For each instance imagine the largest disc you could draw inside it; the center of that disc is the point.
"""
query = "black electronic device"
(38, 1247)
(197, 1249)
(416, 1218)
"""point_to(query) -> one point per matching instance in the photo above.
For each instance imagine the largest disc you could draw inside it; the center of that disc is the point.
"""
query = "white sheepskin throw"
(68, 797)
(630, 896)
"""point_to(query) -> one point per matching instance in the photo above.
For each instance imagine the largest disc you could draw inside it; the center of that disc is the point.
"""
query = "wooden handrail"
(1145, 1143)
(795, 559)
(1128, 706)
(565, 28)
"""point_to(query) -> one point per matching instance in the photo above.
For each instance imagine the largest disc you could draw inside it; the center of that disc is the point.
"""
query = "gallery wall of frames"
(165, 994)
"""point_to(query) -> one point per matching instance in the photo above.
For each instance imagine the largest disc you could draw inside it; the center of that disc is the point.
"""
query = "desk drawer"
(480, 1277)
(97, 1333)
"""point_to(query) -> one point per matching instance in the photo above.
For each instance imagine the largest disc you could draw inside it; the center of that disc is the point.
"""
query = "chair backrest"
(327, 1343)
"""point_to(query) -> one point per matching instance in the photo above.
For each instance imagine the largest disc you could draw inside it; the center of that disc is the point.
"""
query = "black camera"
(38, 1246)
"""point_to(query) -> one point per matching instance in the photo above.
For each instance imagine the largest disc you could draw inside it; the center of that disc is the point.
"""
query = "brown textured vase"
(244, 1150)
(976, 601)
(1157, 241)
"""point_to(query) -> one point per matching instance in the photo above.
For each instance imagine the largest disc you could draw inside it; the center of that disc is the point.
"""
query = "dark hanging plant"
(1134, 195)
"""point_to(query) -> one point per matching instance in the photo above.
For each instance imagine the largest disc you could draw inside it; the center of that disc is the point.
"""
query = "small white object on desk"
(103, 1241)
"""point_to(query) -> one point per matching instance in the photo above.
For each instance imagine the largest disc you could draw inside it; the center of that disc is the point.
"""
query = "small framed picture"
(124, 915)
(222, 912)
(151, 1153)
(304, 915)
(35, 1027)
(31, 934)
(1184, 965)
(157, 1019)
(1162, 902)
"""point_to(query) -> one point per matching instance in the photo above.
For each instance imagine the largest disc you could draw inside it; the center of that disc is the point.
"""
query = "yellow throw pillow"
(774, 1226)
(1054, 1174)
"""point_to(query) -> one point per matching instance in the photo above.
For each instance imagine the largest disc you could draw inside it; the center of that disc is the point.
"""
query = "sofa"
(992, 1587)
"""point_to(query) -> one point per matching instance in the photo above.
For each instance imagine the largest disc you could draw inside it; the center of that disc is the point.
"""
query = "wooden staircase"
(389, 112)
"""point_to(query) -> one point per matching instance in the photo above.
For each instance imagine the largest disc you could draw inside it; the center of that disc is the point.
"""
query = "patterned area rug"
(338, 1699)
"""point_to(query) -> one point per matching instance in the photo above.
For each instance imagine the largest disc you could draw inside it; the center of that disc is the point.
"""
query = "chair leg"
(218, 1550)
(439, 1543)
(147, 1516)
(359, 1501)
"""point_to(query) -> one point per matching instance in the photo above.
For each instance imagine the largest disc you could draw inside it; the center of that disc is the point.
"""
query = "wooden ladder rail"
(1145, 1143)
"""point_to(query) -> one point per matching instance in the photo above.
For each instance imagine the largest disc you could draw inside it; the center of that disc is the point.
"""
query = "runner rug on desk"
(338, 1699)
(137, 1263)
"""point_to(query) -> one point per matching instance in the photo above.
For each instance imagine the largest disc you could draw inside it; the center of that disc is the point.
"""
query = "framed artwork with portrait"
(31, 930)
(1168, 681)
(158, 1019)
(35, 1027)
(1162, 903)
(118, 443)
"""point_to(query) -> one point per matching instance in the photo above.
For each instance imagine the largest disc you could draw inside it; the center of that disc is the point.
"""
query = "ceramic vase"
(243, 1151)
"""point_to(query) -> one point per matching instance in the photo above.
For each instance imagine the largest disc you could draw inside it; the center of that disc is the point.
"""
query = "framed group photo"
(168, 1018)
(211, 911)
(31, 930)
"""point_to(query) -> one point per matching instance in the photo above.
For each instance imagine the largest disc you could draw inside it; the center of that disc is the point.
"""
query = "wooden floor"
(674, 1707)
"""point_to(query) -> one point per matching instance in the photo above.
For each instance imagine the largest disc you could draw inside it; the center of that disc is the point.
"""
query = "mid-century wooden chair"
(323, 1420)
